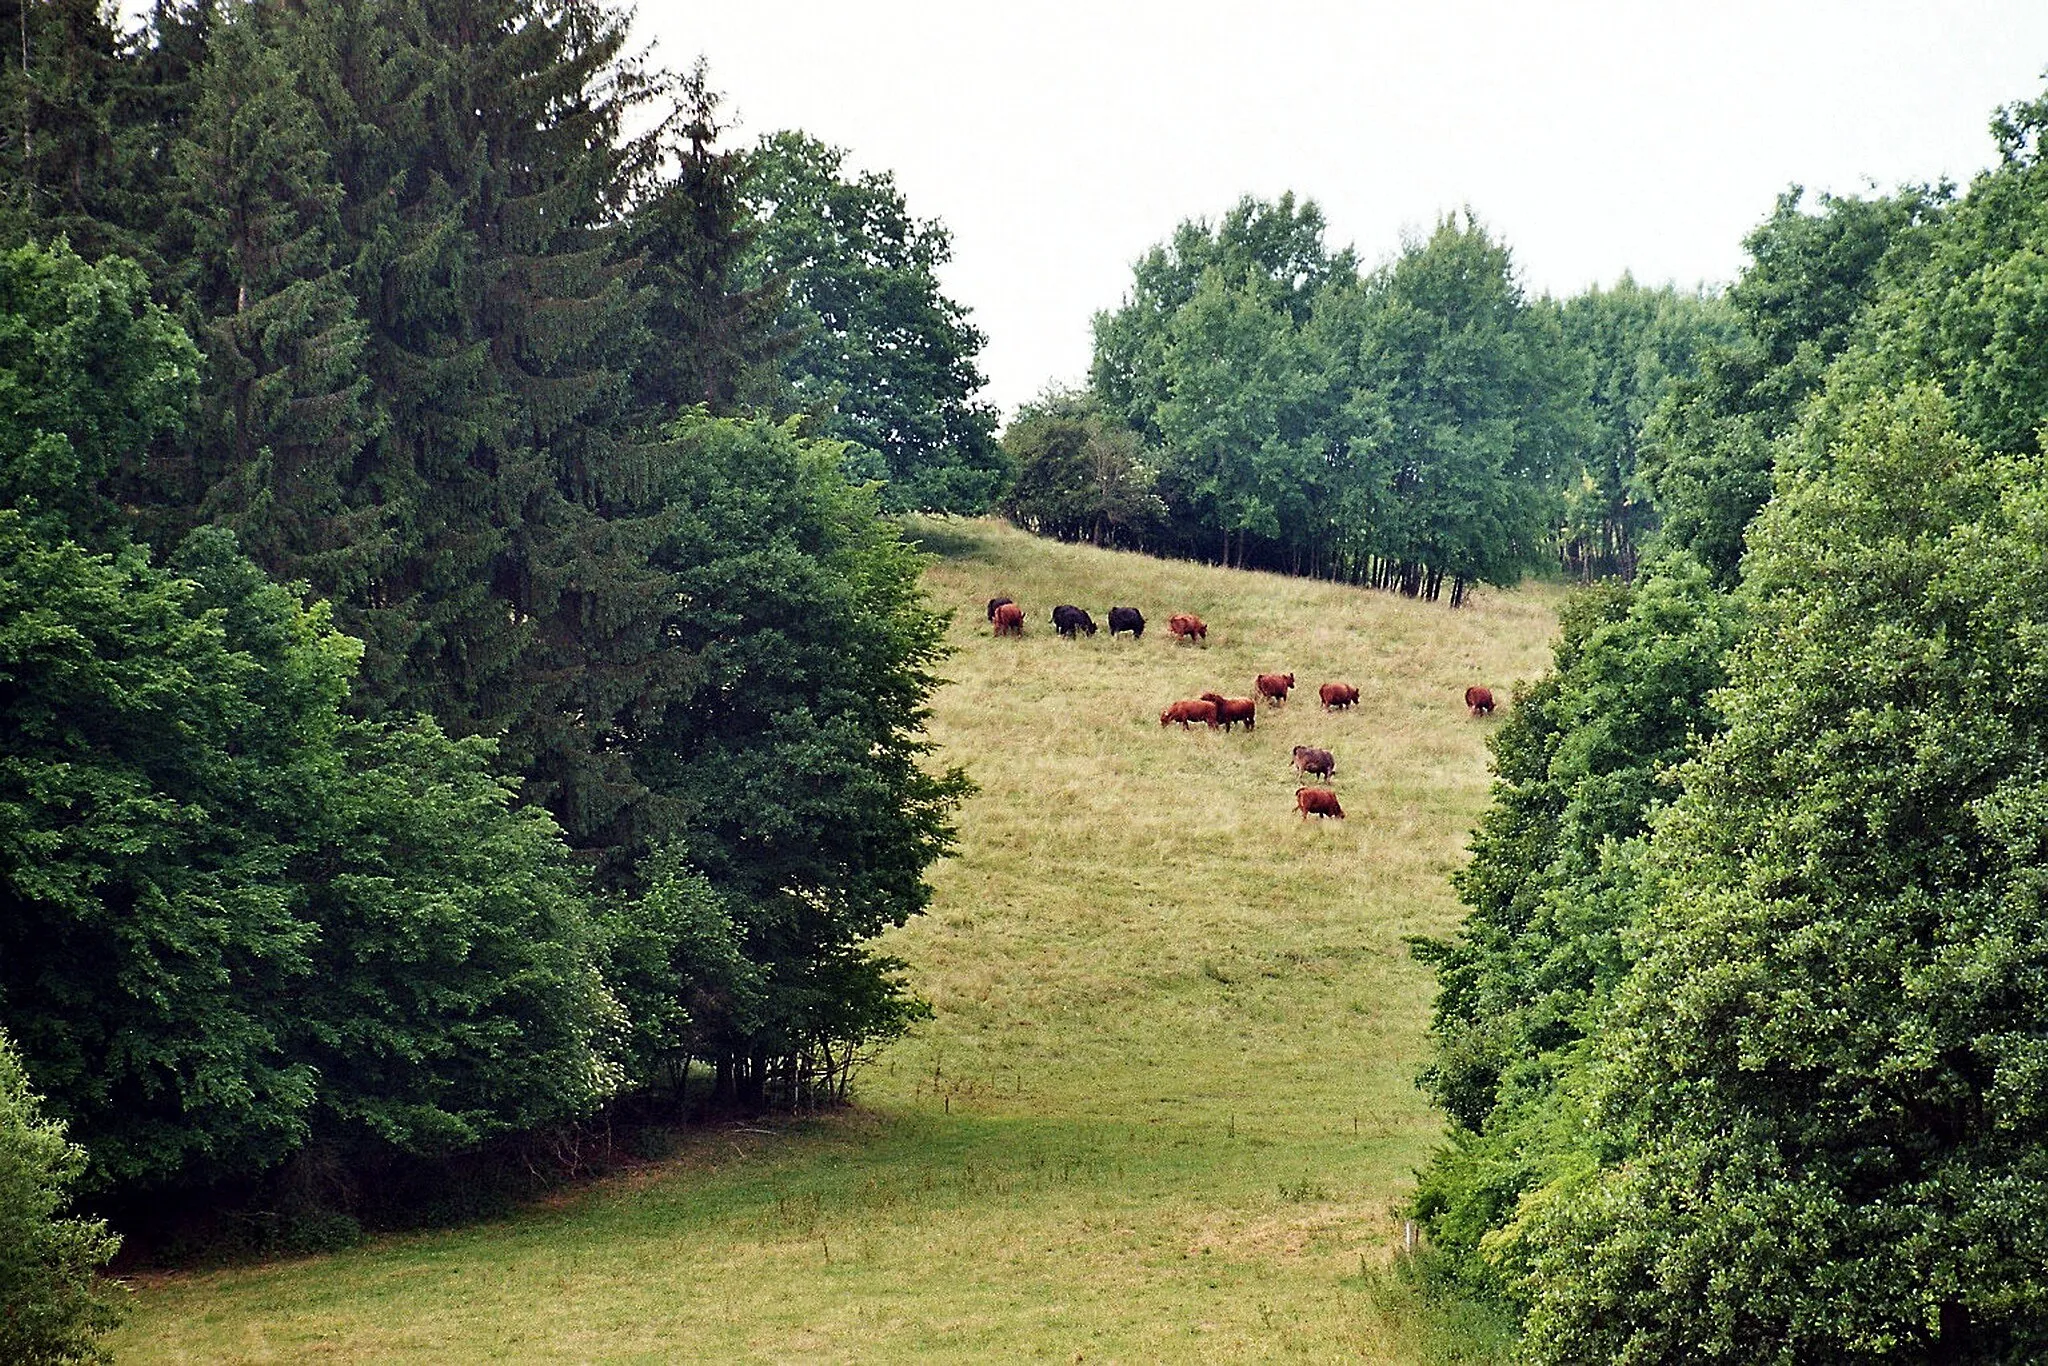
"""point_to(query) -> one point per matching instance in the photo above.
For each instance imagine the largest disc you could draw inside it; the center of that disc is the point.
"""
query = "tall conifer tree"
(257, 224)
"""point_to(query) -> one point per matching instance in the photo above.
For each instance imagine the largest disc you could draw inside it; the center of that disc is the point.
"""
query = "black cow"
(1067, 619)
(994, 603)
(1126, 619)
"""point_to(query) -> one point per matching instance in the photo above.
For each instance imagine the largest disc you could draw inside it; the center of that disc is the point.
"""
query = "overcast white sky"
(1059, 139)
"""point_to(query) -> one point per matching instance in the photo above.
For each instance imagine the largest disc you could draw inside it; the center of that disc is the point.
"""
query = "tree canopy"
(411, 560)
(882, 357)
(1741, 1040)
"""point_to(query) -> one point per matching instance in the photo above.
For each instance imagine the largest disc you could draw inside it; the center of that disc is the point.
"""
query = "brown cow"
(1275, 686)
(994, 603)
(1480, 700)
(1317, 801)
(1337, 696)
(1009, 619)
(1320, 762)
(1232, 709)
(1186, 711)
(1187, 626)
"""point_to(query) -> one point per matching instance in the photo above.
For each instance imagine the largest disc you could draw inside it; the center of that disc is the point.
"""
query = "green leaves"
(91, 372)
(52, 1303)
(1406, 427)
(1822, 1067)
(791, 770)
(882, 358)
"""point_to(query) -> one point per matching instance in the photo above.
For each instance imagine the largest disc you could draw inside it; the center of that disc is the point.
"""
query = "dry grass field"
(1165, 1111)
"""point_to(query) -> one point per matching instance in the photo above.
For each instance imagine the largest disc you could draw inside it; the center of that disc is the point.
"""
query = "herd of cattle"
(1213, 709)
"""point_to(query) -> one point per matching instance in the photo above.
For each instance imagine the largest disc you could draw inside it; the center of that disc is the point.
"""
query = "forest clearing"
(1165, 1108)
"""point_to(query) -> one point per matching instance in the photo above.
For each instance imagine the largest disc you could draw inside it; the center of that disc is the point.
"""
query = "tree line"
(1261, 400)
(457, 669)
(1742, 1041)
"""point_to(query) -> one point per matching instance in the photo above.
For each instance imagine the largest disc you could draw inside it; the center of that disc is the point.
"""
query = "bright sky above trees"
(1058, 140)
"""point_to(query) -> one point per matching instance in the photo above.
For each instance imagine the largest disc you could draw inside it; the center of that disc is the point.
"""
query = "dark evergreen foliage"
(278, 898)
(713, 338)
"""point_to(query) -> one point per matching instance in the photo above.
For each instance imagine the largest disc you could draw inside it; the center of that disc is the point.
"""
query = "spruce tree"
(713, 336)
(287, 410)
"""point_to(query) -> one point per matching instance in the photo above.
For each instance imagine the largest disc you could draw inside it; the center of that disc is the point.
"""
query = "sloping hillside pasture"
(1165, 1109)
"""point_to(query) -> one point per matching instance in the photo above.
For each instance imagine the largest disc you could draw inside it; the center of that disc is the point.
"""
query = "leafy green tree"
(53, 1306)
(1078, 475)
(151, 943)
(1708, 450)
(451, 992)
(240, 921)
(1968, 311)
(791, 770)
(1244, 448)
(1484, 403)
(1639, 341)
(455, 994)
(91, 372)
(1827, 1068)
(1410, 428)
(1582, 765)
(883, 358)
(202, 853)
(674, 957)
(1275, 249)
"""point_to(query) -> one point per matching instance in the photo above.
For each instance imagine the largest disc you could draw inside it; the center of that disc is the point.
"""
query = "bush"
(53, 1306)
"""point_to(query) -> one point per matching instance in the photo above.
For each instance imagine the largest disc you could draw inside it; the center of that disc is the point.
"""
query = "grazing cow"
(1337, 696)
(1234, 709)
(1009, 619)
(1126, 619)
(1067, 619)
(1184, 712)
(994, 603)
(1187, 626)
(1480, 700)
(1275, 686)
(1317, 801)
(1320, 762)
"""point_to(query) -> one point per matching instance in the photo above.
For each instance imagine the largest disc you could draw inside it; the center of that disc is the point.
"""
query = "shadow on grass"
(943, 536)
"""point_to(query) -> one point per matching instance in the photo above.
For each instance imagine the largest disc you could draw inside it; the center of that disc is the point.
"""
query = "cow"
(1009, 619)
(1317, 801)
(1337, 696)
(1187, 626)
(1274, 686)
(1317, 761)
(1184, 712)
(1234, 709)
(1480, 700)
(1126, 619)
(994, 603)
(1067, 619)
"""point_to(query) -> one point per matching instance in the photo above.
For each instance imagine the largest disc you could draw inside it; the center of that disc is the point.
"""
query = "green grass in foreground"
(1166, 1109)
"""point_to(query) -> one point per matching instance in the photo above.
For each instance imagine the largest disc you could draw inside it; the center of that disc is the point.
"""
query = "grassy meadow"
(1165, 1110)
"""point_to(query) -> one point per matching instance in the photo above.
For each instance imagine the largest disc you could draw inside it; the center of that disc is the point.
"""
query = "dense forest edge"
(440, 476)
(1742, 1044)
(462, 681)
